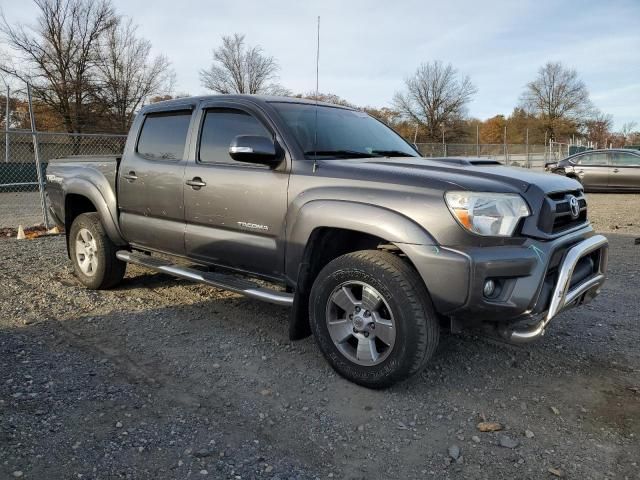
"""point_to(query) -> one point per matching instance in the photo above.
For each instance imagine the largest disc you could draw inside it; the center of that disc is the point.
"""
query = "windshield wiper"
(393, 153)
(342, 153)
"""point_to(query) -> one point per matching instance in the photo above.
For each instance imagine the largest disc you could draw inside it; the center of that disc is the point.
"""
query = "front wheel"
(372, 318)
(94, 254)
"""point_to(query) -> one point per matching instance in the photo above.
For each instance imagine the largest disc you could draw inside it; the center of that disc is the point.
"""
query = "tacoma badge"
(253, 226)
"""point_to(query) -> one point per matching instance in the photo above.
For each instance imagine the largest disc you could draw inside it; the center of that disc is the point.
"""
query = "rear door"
(592, 169)
(625, 171)
(151, 179)
(234, 211)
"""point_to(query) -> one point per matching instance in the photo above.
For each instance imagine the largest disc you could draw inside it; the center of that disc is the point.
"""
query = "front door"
(234, 211)
(624, 171)
(150, 183)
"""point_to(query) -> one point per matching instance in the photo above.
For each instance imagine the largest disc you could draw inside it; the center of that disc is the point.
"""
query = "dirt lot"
(161, 378)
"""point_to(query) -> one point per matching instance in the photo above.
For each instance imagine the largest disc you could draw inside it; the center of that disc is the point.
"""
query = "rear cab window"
(164, 135)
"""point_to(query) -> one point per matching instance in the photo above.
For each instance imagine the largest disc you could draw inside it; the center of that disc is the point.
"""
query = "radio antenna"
(315, 135)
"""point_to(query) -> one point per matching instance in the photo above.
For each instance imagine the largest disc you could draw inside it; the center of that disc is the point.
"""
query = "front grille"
(556, 216)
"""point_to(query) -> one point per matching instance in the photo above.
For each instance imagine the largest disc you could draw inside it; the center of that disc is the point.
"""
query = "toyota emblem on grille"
(574, 206)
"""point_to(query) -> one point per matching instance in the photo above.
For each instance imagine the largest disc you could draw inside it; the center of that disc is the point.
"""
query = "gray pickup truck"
(325, 209)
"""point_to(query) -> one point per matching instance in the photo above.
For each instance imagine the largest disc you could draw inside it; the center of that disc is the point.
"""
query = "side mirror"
(254, 149)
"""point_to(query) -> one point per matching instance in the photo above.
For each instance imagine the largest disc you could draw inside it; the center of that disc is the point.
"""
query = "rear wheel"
(94, 254)
(372, 318)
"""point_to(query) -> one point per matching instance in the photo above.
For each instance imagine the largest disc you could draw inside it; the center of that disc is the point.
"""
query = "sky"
(368, 48)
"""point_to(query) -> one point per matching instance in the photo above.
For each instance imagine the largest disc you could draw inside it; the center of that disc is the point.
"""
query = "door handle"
(131, 176)
(615, 170)
(196, 183)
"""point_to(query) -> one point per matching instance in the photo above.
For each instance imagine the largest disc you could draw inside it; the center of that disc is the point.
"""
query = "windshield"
(341, 133)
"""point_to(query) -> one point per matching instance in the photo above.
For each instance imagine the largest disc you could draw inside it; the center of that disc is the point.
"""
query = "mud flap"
(299, 327)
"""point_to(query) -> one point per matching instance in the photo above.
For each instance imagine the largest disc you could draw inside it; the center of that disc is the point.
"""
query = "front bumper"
(569, 292)
(537, 279)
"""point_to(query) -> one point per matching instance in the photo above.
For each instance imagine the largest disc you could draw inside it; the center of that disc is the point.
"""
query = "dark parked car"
(602, 170)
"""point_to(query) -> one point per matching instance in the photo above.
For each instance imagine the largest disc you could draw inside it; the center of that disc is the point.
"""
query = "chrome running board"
(215, 279)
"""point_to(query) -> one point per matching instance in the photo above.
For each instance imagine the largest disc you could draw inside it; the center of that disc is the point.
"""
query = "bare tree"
(58, 54)
(628, 132)
(598, 128)
(239, 68)
(557, 96)
(127, 73)
(435, 98)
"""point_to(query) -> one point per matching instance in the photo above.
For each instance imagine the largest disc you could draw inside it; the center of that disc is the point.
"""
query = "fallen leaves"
(29, 233)
(489, 426)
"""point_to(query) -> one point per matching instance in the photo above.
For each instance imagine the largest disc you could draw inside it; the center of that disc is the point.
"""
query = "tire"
(403, 302)
(94, 254)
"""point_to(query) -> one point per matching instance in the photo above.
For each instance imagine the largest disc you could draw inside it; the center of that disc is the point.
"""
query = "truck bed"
(105, 165)
(99, 170)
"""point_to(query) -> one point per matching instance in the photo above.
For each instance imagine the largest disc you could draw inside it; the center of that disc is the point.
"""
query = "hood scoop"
(468, 162)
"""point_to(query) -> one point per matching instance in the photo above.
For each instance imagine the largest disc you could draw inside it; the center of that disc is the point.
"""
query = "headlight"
(486, 213)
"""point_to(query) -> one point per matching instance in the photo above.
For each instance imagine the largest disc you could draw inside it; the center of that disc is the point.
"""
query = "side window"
(626, 160)
(164, 135)
(220, 127)
(593, 159)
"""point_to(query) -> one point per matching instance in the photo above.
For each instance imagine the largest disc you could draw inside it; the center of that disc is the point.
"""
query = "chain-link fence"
(516, 155)
(21, 188)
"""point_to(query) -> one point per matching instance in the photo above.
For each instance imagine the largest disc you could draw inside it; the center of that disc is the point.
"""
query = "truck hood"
(448, 175)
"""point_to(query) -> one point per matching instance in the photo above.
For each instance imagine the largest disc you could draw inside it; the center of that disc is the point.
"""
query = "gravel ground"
(161, 378)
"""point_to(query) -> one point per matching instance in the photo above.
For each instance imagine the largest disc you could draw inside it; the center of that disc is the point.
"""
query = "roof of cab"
(252, 98)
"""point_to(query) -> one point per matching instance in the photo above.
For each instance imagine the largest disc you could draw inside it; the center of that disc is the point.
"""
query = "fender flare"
(359, 217)
(106, 207)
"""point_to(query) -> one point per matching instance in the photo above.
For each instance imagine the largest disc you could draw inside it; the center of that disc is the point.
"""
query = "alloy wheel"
(86, 252)
(360, 323)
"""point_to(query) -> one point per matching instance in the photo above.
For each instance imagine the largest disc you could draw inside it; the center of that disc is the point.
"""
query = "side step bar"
(218, 280)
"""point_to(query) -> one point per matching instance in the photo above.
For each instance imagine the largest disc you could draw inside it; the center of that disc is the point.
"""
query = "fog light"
(489, 288)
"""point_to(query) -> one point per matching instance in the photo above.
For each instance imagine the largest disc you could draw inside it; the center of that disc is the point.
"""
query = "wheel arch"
(365, 219)
(82, 196)
(319, 236)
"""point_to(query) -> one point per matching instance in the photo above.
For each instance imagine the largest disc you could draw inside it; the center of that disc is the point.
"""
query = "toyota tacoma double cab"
(327, 210)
